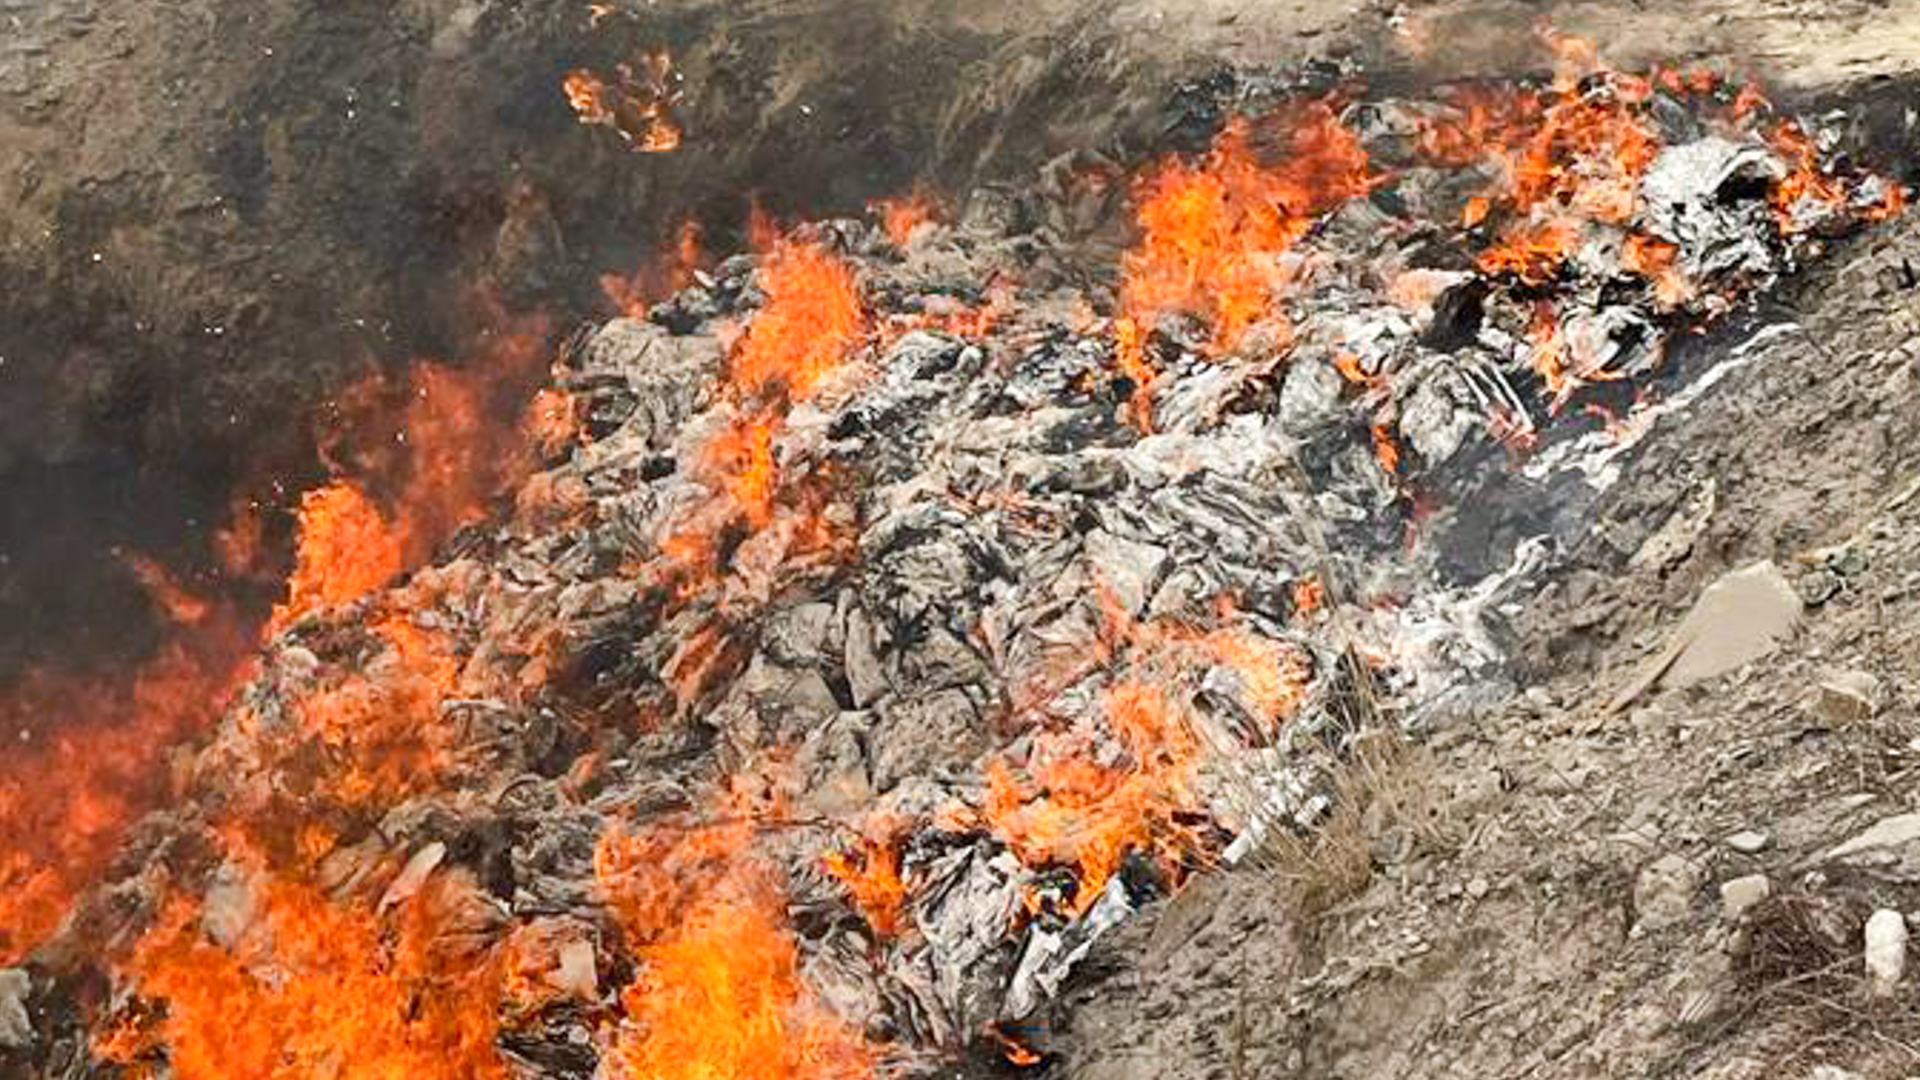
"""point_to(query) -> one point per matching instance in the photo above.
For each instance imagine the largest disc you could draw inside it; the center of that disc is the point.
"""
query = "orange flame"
(742, 456)
(633, 295)
(901, 216)
(871, 872)
(1213, 233)
(85, 759)
(719, 995)
(312, 990)
(1090, 815)
(811, 320)
(638, 107)
(347, 549)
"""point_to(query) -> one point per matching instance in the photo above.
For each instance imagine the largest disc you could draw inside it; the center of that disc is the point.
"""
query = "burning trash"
(885, 618)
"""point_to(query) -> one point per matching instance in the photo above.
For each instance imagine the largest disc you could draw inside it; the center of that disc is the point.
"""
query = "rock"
(1886, 951)
(1127, 567)
(1310, 397)
(1748, 842)
(1886, 833)
(414, 875)
(1846, 697)
(1664, 892)
(1478, 888)
(16, 1027)
(1737, 620)
(576, 973)
(1741, 893)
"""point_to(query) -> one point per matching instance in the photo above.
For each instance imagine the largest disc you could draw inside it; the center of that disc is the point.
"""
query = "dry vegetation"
(1388, 804)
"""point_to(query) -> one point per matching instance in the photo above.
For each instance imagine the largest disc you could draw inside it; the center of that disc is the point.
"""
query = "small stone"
(1748, 842)
(1664, 892)
(1478, 888)
(1741, 893)
(16, 1029)
(1886, 951)
(1886, 833)
(1847, 697)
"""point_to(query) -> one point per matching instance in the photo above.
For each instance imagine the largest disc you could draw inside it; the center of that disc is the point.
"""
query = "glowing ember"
(637, 106)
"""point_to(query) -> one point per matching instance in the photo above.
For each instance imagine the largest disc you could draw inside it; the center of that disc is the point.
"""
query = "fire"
(84, 762)
(440, 449)
(380, 736)
(347, 549)
(1533, 253)
(1653, 259)
(1807, 184)
(812, 319)
(1077, 812)
(1213, 233)
(1548, 354)
(870, 869)
(742, 456)
(309, 989)
(550, 422)
(174, 601)
(108, 750)
(900, 217)
(1071, 808)
(1309, 594)
(637, 106)
(634, 294)
(1385, 450)
(718, 995)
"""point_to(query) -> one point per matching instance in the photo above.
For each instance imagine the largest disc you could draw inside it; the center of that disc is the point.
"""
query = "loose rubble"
(1886, 952)
(1740, 894)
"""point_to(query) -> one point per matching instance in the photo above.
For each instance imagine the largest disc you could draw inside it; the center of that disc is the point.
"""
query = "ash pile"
(904, 606)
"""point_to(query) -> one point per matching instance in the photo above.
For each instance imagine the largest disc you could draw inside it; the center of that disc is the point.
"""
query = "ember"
(637, 105)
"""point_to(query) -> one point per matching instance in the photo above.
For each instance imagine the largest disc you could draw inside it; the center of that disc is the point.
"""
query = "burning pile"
(882, 627)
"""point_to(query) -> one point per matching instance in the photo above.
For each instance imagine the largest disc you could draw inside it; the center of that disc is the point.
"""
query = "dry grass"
(1801, 996)
(1388, 800)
